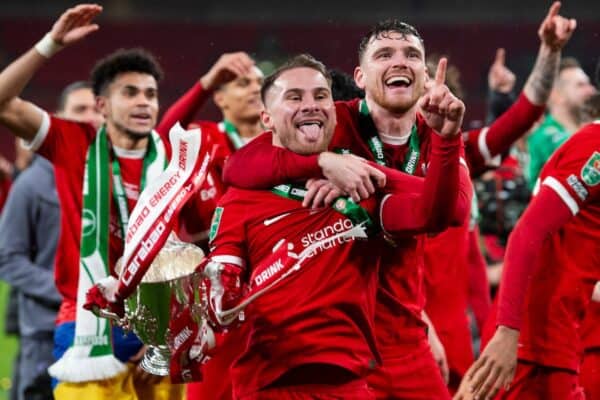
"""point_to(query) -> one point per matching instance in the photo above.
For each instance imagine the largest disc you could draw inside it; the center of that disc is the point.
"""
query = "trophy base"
(156, 360)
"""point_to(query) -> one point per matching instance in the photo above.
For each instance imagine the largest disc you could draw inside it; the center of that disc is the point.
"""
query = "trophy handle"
(114, 317)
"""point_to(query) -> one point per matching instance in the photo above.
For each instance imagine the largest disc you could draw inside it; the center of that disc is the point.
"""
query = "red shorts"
(353, 390)
(536, 382)
(590, 374)
(415, 376)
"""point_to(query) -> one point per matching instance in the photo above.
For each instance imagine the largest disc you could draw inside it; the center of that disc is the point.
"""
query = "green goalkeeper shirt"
(541, 144)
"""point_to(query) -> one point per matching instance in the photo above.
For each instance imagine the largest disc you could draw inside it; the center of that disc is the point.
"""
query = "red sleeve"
(479, 290)
(260, 165)
(486, 145)
(227, 236)
(196, 216)
(569, 181)
(545, 215)
(462, 209)
(183, 109)
(57, 137)
(432, 208)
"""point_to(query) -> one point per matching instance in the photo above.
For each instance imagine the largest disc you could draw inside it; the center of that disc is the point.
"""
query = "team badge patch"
(340, 204)
(214, 225)
(590, 173)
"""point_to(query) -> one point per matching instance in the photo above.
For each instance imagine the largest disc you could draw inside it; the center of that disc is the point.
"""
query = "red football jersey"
(401, 297)
(447, 286)
(485, 146)
(568, 266)
(590, 328)
(398, 318)
(323, 313)
(65, 144)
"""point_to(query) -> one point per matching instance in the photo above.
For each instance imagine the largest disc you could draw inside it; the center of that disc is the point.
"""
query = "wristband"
(47, 47)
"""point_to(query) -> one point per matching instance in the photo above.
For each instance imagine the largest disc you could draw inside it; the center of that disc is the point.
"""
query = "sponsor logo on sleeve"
(590, 173)
(577, 186)
(214, 225)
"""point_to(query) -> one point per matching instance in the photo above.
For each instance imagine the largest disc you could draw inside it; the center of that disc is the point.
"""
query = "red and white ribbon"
(159, 204)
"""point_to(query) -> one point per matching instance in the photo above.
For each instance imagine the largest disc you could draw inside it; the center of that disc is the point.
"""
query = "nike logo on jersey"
(271, 221)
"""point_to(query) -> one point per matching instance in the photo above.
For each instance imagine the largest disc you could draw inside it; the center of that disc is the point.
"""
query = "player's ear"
(219, 99)
(359, 77)
(266, 120)
(102, 105)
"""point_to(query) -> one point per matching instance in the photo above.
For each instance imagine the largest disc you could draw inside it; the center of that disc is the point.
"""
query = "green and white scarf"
(91, 355)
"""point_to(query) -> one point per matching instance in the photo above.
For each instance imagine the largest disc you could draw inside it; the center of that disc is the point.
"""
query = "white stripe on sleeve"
(485, 151)
(563, 193)
(229, 260)
(41, 134)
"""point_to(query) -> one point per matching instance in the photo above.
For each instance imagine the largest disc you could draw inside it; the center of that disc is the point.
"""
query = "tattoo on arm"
(540, 81)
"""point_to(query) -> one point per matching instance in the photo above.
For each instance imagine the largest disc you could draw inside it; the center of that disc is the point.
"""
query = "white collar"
(125, 153)
(393, 139)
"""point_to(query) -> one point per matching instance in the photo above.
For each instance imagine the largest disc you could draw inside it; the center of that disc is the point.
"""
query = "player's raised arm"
(554, 32)
(228, 67)
(22, 117)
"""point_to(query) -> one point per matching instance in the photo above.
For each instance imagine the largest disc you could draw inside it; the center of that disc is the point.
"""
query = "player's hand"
(75, 24)
(352, 174)
(139, 374)
(464, 392)
(500, 78)
(320, 193)
(439, 354)
(495, 367)
(228, 67)
(442, 111)
(556, 30)
(225, 290)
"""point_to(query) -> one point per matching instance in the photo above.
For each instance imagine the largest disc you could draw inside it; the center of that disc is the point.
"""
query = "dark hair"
(62, 99)
(299, 61)
(121, 61)
(343, 86)
(382, 30)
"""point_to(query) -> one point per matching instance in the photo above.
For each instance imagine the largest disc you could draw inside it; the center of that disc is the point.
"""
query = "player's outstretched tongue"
(310, 130)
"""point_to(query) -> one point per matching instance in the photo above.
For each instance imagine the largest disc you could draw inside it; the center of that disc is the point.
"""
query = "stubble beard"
(291, 143)
(132, 134)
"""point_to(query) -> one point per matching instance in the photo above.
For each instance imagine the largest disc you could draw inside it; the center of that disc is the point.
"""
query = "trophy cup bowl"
(170, 278)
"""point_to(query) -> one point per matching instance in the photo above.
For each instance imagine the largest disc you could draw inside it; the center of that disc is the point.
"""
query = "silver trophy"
(170, 278)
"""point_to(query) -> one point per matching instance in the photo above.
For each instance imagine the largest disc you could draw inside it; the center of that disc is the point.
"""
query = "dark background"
(188, 36)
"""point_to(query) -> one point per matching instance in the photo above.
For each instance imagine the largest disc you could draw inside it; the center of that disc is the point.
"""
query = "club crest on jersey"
(590, 173)
(214, 225)
(340, 204)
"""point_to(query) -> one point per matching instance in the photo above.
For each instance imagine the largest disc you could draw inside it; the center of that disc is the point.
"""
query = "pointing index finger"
(553, 11)
(440, 73)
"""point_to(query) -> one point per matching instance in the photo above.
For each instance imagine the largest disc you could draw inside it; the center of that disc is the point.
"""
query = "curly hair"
(123, 60)
(382, 30)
